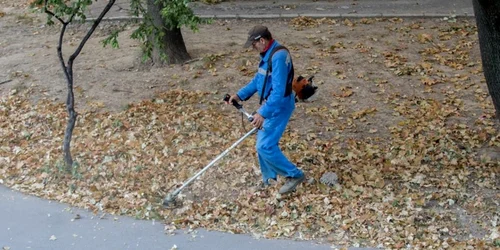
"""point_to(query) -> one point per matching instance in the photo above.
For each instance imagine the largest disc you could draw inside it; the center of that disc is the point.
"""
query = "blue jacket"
(275, 86)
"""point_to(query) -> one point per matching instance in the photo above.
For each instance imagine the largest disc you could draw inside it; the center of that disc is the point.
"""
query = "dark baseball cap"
(255, 34)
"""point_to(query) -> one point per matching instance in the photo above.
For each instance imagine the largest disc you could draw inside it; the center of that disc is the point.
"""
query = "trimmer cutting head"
(169, 201)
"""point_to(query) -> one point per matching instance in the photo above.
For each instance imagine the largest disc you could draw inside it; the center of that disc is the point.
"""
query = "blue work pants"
(272, 161)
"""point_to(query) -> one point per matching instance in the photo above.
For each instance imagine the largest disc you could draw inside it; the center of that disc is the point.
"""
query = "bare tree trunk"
(70, 107)
(68, 74)
(487, 14)
(171, 44)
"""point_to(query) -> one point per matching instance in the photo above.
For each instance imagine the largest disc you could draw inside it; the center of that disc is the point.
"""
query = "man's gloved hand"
(233, 97)
(258, 120)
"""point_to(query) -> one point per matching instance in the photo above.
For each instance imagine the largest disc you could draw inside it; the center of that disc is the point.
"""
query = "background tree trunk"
(172, 42)
(487, 14)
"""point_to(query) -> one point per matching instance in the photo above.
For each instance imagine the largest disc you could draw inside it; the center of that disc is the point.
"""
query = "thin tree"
(66, 12)
(487, 14)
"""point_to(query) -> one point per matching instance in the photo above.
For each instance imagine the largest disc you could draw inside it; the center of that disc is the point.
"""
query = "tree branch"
(46, 10)
(59, 50)
(61, 36)
(92, 29)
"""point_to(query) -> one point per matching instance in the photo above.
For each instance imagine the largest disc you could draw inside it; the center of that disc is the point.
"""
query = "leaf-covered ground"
(403, 117)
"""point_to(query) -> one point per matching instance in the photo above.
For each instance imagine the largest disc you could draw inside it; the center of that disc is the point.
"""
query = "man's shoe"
(261, 186)
(291, 184)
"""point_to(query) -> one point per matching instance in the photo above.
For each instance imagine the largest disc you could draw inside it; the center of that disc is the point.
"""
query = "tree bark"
(171, 43)
(487, 14)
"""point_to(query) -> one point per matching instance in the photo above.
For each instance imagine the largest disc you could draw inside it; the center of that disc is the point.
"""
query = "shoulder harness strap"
(289, 79)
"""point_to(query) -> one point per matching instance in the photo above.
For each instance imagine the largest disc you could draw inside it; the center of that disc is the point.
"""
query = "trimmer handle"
(234, 102)
(239, 107)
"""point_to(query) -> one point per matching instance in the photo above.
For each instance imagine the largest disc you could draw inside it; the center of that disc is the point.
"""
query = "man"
(274, 86)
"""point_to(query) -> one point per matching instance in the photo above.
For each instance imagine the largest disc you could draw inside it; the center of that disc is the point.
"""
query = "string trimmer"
(170, 198)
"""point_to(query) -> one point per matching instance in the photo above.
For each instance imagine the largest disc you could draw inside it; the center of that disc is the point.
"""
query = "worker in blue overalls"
(274, 86)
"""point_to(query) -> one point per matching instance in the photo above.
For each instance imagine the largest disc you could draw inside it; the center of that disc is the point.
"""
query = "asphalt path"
(28, 222)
